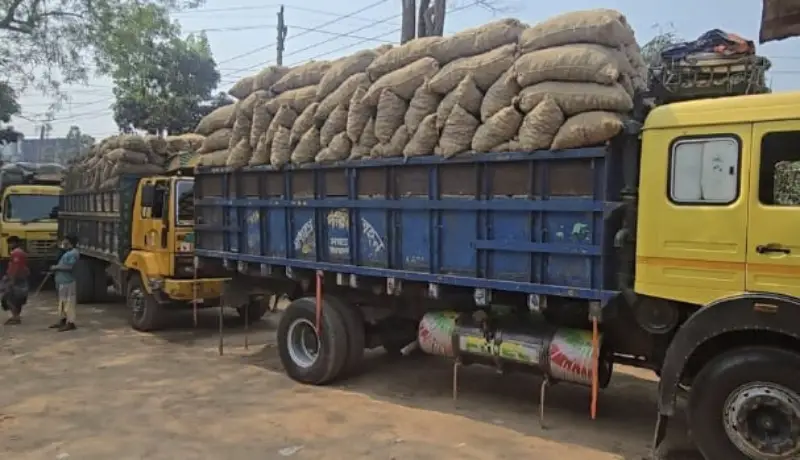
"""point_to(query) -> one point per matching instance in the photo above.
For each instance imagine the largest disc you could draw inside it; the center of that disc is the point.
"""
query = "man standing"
(15, 282)
(65, 283)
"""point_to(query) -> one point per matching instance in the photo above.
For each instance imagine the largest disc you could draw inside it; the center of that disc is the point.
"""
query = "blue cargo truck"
(653, 251)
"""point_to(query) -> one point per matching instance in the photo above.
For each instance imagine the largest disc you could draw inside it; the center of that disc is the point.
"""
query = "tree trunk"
(409, 20)
(439, 7)
(422, 19)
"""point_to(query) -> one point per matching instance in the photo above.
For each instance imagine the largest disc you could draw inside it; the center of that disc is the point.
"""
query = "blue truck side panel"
(536, 223)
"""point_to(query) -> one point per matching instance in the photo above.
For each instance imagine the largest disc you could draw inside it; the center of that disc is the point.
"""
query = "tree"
(164, 85)
(8, 102)
(651, 51)
(78, 143)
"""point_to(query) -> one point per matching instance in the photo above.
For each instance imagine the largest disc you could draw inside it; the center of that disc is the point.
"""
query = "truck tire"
(307, 357)
(100, 282)
(254, 310)
(146, 313)
(84, 281)
(356, 337)
(745, 404)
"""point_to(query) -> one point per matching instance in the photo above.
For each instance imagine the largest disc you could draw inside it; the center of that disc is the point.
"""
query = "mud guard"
(746, 312)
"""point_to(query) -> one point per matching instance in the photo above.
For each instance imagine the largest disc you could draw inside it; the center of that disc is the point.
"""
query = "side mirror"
(148, 195)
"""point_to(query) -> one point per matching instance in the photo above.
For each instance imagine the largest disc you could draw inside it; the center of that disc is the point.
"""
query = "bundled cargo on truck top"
(505, 86)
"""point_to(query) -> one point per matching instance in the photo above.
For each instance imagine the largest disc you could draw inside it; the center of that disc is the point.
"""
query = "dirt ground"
(107, 392)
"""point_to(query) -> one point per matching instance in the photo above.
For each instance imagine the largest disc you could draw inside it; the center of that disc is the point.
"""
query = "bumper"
(183, 290)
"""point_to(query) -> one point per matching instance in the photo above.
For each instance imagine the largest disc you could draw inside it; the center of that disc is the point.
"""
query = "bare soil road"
(107, 392)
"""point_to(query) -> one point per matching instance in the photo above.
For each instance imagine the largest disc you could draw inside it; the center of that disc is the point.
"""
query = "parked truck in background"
(29, 205)
(139, 237)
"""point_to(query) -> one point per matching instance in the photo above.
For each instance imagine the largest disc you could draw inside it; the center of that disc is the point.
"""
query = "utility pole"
(282, 31)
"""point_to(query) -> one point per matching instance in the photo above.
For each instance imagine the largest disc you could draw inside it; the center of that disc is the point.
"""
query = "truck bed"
(536, 223)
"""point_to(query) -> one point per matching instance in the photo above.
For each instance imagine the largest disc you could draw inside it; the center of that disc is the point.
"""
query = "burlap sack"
(498, 129)
(309, 74)
(359, 152)
(222, 117)
(587, 129)
(574, 97)
(335, 124)
(500, 95)
(241, 130)
(247, 106)
(189, 142)
(357, 115)
(261, 120)
(466, 94)
(341, 95)
(217, 158)
(218, 140)
(262, 151)
(307, 148)
(540, 125)
(395, 146)
(457, 133)
(401, 56)
(389, 116)
(342, 70)
(285, 117)
(132, 142)
(303, 123)
(120, 169)
(297, 99)
(242, 88)
(424, 140)
(403, 82)
(584, 63)
(281, 150)
(339, 149)
(155, 144)
(127, 156)
(424, 103)
(485, 68)
(368, 138)
(240, 154)
(268, 76)
(477, 40)
(601, 26)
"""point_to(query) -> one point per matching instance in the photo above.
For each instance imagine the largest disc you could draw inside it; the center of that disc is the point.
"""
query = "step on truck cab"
(139, 235)
(675, 248)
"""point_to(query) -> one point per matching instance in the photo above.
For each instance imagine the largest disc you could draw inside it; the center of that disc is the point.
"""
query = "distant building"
(55, 150)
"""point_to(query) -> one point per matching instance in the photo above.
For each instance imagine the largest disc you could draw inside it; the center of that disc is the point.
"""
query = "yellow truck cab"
(140, 235)
(28, 210)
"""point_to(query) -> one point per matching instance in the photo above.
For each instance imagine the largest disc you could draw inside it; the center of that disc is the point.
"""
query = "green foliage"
(8, 102)
(164, 84)
(651, 51)
(78, 143)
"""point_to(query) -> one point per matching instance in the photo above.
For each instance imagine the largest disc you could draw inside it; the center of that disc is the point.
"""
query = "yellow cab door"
(153, 235)
(773, 246)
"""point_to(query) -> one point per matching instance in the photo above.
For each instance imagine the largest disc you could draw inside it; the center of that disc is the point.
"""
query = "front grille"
(41, 248)
(184, 266)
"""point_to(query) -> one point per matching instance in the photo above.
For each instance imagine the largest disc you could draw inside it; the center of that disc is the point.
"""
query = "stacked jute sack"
(181, 150)
(115, 156)
(216, 129)
(563, 83)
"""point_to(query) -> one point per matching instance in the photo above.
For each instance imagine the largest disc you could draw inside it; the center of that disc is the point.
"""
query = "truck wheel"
(144, 310)
(356, 337)
(100, 283)
(254, 310)
(84, 281)
(306, 356)
(745, 404)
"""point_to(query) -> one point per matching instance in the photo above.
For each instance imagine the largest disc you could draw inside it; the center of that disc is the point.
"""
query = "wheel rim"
(137, 303)
(763, 421)
(303, 343)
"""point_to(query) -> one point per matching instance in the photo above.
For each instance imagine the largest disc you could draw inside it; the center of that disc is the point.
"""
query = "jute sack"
(127, 156)
(343, 69)
(500, 95)
(261, 120)
(357, 115)
(189, 142)
(309, 74)
(395, 146)
(401, 56)
(132, 142)
(484, 68)
(389, 116)
(584, 63)
(341, 95)
(601, 26)
(404, 81)
(540, 125)
(247, 106)
(466, 94)
(359, 152)
(339, 149)
(457, 133)
(285, 117)
(261, 153)
(217, 158)
(424, 103)
(335, 124)
(368, 138)
(268, 76)
(297, 99)
(222, 117)
(218, 140)
(281, 151)
(240, 154)
(575, 97)
(240, 131)
(477, 40)
(307, 148)
(303, 123)
(156, 145)
(498, 129)
(242, 88)
(587, 129)
(424, 140)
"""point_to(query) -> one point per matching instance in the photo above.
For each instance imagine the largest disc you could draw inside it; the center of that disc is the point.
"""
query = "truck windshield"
(30, 208)
(184, 195)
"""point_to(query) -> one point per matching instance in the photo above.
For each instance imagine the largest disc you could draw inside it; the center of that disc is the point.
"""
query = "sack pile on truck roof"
(505, 86)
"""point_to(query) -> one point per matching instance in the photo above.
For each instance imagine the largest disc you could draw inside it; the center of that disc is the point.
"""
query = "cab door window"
(779, 169)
